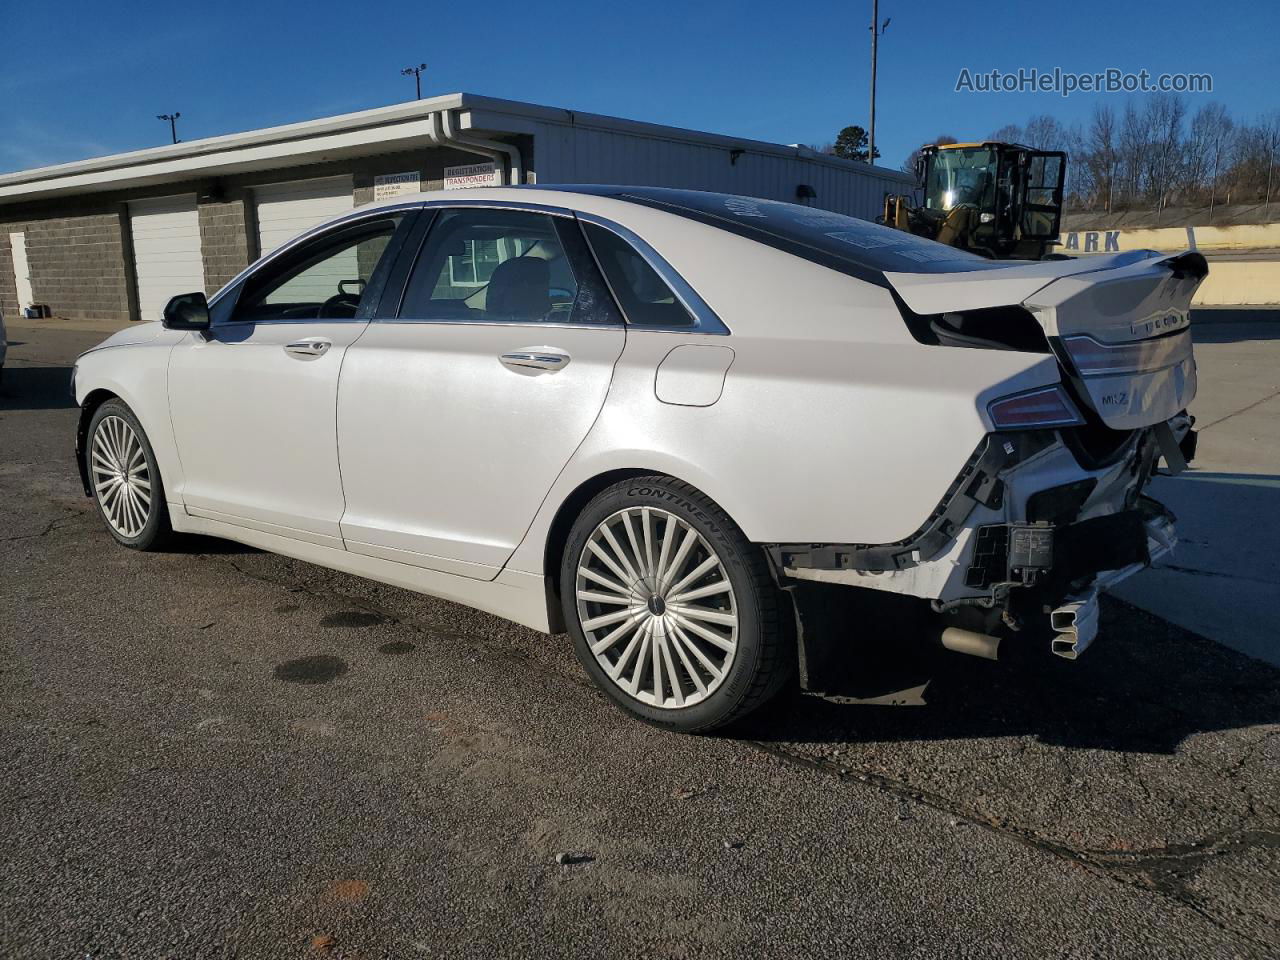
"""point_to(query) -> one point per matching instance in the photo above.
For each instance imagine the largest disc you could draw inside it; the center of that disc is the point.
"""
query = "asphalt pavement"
(1223, 581)
(217, 752)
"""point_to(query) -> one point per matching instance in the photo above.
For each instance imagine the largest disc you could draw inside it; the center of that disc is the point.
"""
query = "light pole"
(173, 123)
(417, 76)
(877, 28)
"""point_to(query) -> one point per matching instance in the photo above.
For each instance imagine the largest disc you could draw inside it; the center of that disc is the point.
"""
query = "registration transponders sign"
(472, 175)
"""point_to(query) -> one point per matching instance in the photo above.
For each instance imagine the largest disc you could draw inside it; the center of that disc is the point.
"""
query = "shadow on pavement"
(35, 388)
(1144, 686)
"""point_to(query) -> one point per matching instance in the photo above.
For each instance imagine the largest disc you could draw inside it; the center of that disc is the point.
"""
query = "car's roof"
(565, 195)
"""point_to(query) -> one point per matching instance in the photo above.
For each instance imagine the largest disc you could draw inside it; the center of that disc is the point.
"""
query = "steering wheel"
(343, 305)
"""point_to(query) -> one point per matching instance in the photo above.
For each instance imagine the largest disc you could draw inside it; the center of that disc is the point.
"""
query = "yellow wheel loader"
(1001, 200)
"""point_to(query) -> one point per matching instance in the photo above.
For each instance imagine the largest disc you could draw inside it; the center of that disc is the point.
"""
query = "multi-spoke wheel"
(671, 609)
(125, 480)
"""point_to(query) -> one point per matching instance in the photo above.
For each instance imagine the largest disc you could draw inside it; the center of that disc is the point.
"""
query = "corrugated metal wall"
(581, 154)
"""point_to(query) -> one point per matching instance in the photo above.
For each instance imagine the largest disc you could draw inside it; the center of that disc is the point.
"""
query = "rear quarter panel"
(834, 425)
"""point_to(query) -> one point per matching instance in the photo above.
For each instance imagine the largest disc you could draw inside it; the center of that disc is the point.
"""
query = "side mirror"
(187, 311)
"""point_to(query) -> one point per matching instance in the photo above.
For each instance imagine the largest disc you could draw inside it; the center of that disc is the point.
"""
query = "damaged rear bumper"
(1028, 536)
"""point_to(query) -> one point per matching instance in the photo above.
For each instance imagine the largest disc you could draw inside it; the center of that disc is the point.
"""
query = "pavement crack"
(1194, 571)
(1244, 409)
(1165, 872)
(51, 526)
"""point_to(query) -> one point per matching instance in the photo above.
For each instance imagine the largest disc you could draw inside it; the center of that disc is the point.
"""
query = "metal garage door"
(286, 209)
(166, 251)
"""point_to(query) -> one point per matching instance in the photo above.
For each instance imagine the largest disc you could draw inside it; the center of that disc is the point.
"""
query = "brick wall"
(77, 262)
(228, 237)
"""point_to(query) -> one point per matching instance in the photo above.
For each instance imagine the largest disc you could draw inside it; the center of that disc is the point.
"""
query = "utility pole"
(417, 76)
(877, 28)
(173, 123)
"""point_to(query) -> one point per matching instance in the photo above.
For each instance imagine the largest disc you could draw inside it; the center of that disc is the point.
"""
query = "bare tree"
(1135, 139)
(1044, 132)
(1009, 133)
(1162, 117)
(909, 164)
(1100, 155)
(1270, 128)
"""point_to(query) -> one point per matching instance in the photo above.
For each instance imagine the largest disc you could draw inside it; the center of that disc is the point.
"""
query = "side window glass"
(325, 279)
(643, 295)
(502, 266)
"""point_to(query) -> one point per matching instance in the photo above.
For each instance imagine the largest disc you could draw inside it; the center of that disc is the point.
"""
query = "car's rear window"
(859, 247)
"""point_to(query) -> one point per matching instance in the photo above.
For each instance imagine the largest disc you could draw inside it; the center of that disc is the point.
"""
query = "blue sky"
(97, 74)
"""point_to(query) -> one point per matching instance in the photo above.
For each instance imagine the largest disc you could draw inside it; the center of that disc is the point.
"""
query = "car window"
(323, 279)
(644, 296)
(491, 265)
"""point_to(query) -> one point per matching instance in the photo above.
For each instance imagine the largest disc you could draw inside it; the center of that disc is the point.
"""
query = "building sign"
(388, 185)
(472, 175)
(1093, 241)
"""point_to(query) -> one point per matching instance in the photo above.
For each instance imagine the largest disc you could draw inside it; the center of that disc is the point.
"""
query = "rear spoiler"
(1188, 264)
(934, 293)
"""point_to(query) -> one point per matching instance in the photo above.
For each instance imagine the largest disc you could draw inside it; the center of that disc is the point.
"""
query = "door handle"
(309, 348)
(535, 358)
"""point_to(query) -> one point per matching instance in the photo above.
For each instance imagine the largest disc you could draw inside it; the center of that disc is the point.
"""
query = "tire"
(125, 478)
(683, 650)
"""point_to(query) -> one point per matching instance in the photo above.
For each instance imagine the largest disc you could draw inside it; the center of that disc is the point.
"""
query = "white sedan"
(668, 422)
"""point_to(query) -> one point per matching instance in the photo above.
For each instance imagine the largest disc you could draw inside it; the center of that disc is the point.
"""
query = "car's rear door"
(253, 401)
(457, 412)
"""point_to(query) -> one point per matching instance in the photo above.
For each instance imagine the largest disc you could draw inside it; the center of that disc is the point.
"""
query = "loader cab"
(999, 199)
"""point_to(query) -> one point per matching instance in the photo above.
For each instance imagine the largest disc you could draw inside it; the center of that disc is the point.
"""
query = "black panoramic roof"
(859, 248)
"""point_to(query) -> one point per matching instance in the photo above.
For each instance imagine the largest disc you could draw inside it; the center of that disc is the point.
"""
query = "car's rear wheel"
(671, 609)
(125, 479)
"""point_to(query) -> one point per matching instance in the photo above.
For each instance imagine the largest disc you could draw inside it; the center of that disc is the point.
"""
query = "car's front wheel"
(125, 479)
(672, 610)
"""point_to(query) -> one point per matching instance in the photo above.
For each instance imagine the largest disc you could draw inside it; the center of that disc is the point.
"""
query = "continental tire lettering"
(667, 496)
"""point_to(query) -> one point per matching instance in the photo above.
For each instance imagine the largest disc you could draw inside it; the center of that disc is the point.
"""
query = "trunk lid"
(1120, 325)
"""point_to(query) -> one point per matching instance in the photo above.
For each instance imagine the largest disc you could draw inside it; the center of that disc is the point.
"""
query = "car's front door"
(455, 417)
(253, 401)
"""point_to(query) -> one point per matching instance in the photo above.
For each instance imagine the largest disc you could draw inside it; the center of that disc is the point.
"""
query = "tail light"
(1094, 358)
(1042, 407)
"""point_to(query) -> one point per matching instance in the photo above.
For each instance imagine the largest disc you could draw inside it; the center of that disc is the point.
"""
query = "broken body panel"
(1062, 514)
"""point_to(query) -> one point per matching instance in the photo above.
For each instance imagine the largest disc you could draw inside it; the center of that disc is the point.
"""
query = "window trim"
(705, 320)
(409, 263)
(235, 286)
(377, 280)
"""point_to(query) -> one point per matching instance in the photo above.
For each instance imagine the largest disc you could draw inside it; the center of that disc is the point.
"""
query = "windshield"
(965, 176)
(857, 247)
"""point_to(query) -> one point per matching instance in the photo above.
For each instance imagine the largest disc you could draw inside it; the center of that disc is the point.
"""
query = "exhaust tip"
(970, 642)
(1076, 625)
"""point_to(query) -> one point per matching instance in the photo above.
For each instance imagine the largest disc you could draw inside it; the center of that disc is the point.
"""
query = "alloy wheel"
(121, 477)
(657, 607)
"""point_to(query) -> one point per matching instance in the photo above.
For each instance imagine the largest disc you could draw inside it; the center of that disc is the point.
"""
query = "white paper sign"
(388, 185)
(472, 175)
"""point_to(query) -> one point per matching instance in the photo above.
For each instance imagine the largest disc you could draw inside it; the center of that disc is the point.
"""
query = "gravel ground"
(217, 752)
